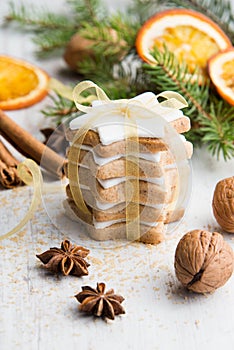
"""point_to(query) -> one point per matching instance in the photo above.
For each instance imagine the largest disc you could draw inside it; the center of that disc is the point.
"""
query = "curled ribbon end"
(79, 100)
(63, 90)
(29, 172)
(173, 100)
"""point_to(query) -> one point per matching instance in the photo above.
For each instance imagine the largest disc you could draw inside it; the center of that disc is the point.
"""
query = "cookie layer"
(150, 235)
(145, 143)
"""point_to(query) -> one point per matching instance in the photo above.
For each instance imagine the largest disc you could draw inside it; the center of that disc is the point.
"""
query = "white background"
(39, 311)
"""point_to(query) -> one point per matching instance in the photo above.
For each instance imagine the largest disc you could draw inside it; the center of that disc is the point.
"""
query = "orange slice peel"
(190, 35)
(22, 84)
(221, 72)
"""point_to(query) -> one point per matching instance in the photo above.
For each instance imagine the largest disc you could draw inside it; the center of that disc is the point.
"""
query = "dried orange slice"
(221, 71)
(21, 83)
(191, 36)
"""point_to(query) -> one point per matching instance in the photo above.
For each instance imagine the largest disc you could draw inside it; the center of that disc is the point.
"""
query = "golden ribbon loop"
(73, 173)
(28, 178)
(67, 92)
(172, 100)
(132, 186)
(85, 85)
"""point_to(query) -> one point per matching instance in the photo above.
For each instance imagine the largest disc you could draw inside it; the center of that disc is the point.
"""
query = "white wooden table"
(38, 309)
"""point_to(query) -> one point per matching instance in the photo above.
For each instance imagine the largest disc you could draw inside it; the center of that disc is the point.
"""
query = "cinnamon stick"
(8, 168)
(30, 147)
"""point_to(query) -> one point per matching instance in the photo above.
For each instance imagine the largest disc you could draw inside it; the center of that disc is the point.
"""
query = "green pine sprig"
(108, 41)
(53, 31)
(90, 11)
(60, 109)
(51, 41)
(39, 19)
(212, 118)
(218, 131)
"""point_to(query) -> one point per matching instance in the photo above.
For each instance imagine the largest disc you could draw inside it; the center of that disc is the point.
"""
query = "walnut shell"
(77, 50)
(223, 204)
(203, 261)
(80, 48)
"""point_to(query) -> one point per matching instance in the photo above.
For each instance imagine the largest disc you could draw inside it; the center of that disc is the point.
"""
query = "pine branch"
(99, 68)
(52, 31)
(60, 110)
(119, 78)
(126, 27)
(141, 10)
(169, 74)
(91, 11)
(113, 37)
(218, 133)
(51, 40)
(90, 17)
(39, 19)
(106, 41)
(211, 116)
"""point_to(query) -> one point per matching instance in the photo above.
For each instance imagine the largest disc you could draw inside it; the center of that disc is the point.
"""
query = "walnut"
(79, 48)
(203, 261)
(223, 204)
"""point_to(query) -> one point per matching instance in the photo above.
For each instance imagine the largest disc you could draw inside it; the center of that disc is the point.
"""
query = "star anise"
(99, 303)
(69, 259)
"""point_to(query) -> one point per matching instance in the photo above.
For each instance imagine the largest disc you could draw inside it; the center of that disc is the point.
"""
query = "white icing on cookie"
(153, 157)
(106, 206)
(118, 180)
(104, 224)
(111, 128)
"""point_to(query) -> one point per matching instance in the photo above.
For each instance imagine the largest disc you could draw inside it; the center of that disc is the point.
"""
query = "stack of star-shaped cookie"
(102, 175)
